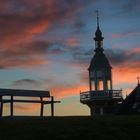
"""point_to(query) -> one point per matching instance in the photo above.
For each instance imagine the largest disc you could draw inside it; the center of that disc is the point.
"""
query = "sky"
(48, 45)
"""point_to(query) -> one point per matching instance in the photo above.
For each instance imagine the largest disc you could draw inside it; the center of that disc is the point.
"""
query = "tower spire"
(98, 36)
(97, 14)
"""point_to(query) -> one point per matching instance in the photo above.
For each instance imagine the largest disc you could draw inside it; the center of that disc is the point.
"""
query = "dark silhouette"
(26, 93)
(131, 105)
(101, 98)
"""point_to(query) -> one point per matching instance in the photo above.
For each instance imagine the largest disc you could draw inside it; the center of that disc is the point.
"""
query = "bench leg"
(1, 106)
(11, 106)
(52, 106)
(42, 107)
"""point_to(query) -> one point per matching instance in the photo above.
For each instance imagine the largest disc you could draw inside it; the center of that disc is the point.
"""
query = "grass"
(68, 128)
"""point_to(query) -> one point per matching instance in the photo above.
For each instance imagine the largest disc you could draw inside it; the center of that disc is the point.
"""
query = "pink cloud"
(71, 42)
(23, 20)
(125, 34)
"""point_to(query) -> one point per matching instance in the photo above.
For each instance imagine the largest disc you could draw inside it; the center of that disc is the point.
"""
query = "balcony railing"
(93, 95)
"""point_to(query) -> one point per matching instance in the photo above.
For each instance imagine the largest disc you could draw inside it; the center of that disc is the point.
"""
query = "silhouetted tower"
(101, 98)
(100, 77)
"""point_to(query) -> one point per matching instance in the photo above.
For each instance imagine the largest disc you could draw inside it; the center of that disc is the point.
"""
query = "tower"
(100, 76)
(101, 98)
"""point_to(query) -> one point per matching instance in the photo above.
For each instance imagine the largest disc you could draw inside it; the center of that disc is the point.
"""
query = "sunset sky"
(48, 45)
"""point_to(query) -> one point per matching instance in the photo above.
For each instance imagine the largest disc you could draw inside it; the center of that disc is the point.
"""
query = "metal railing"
(90, 95)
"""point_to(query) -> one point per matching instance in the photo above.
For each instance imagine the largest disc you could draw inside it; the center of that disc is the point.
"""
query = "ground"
(68, 128)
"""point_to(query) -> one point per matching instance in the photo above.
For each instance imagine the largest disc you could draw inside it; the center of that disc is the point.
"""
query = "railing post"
(90, 95)
(121, 93)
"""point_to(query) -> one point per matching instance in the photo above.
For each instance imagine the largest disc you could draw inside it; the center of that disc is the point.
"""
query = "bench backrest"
(24, 93)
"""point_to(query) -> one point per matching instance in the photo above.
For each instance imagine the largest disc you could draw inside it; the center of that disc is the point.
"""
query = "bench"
(11, 93)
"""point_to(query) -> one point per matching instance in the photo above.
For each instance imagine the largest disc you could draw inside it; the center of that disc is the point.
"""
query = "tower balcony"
(100, 95)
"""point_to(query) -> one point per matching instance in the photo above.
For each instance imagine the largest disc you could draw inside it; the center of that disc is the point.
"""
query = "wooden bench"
(11, 93)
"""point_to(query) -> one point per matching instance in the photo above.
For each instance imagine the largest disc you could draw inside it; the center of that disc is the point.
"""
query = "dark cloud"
(23, 82)
(2, 67)
(124, 57)
(79, 25)
(82, 56)
(132, 5)
(28, 54)
(118, 58)
(38, 46)
(31, 48)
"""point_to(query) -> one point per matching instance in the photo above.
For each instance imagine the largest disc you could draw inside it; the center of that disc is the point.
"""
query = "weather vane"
(138, 80)
(97, 14)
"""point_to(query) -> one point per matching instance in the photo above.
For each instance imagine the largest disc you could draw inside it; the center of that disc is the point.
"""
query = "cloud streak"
(125, 58)
(24, 82)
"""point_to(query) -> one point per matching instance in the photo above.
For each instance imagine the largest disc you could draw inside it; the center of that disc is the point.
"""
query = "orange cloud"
(72, 42)
(21, 31)
(22, 22)
(125, 75)
(64, 91)
(26, 55)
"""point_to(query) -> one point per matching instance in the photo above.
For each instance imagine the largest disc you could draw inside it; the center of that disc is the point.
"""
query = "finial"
(97, 14)
(138, 80)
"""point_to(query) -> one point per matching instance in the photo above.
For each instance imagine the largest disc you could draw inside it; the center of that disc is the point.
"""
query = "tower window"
(108, 84)
(93, 85)
(98, 44)
(101, 86)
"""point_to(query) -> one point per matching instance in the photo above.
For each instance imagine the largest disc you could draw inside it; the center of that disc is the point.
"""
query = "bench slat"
(26, 93)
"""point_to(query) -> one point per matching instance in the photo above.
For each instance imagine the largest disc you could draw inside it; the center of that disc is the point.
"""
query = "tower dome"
(99, 61)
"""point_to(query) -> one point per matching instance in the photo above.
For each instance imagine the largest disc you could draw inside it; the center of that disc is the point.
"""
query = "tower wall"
(103, 108)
